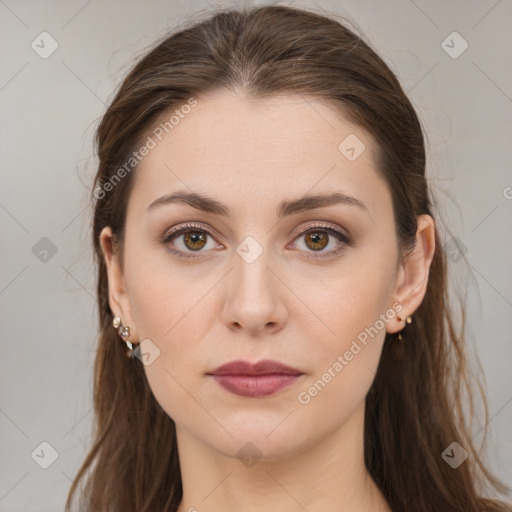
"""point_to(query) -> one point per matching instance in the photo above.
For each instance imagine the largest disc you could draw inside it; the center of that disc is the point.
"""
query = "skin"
(284, 306)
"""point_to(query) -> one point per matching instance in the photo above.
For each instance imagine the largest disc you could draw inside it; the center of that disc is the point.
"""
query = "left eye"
(319, 237)
(193, 239)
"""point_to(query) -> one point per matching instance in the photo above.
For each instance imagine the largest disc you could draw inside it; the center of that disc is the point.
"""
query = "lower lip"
(256, 385)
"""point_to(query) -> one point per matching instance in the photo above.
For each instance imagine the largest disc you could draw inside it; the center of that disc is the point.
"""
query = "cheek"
(346, 356)
(352, 298)
(172, 311)
(164, 296)
(353, 305)
(171, 307)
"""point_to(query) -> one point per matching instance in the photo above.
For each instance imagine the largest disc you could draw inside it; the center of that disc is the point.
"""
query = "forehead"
(227, 124)
(262, 150)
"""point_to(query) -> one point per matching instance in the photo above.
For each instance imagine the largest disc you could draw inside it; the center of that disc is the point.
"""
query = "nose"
(254, 298)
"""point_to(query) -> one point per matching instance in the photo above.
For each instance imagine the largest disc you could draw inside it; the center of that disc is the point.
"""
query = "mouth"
(255, 380)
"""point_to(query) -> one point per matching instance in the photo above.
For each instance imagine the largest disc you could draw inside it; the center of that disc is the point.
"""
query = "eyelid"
(189, 225)
(323, 224)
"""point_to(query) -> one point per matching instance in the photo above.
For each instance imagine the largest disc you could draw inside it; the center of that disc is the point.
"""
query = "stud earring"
(408, 320)
(124, 332)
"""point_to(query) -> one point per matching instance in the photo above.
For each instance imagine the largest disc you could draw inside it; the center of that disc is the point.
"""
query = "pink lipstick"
(263, 378)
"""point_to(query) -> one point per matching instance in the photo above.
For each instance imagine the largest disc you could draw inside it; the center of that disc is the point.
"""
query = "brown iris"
(318, 239)
(194, 238)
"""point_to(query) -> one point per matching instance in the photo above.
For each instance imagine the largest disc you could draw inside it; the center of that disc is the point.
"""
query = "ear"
(412, 276)
(118, 298)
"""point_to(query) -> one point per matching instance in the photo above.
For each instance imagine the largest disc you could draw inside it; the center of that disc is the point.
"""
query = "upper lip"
(264, 367)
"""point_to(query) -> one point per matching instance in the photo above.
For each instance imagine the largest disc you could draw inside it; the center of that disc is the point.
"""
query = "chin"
(261, 440)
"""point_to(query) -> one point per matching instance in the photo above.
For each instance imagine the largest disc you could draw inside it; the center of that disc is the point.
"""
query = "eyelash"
(191, 227)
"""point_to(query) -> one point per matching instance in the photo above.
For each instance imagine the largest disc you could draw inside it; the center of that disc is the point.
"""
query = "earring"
(407, 320)
(124, 332)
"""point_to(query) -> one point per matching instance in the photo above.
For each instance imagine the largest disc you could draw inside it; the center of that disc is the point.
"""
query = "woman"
(268, 257)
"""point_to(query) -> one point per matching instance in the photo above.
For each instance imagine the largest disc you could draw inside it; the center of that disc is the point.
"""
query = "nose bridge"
(252, 275)
(253, 300)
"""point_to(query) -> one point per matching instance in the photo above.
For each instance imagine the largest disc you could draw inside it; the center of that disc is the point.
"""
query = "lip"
(263, 367)
(259, 379)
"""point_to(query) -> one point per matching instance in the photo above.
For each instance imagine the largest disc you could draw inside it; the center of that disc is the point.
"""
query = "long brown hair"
(415, 407)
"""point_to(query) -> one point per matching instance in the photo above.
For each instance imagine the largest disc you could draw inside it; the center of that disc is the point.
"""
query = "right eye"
(193, 239)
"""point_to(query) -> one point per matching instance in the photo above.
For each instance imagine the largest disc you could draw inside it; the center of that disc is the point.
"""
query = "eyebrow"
(285, 208)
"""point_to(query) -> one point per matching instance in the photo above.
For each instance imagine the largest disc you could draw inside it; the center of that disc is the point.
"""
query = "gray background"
(49, 109)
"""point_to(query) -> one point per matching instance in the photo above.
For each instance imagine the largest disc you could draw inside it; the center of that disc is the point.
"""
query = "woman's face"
(250, 285)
